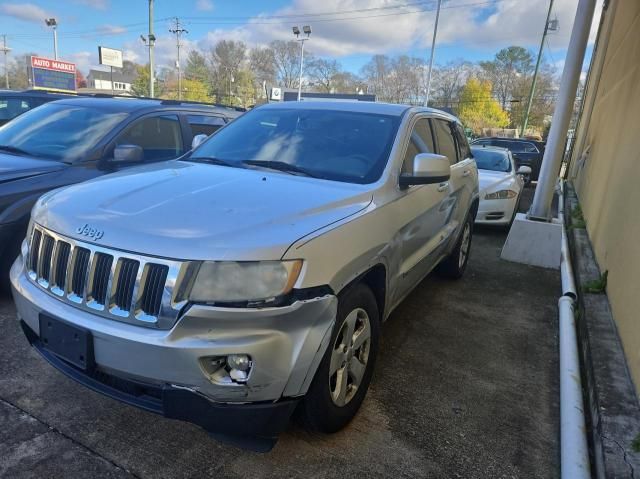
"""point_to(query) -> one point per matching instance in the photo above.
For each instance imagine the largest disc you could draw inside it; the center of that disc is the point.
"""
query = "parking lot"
(466, 386)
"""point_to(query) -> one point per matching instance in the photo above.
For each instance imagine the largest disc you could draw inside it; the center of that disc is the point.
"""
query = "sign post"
(53, 75)
(111, 58)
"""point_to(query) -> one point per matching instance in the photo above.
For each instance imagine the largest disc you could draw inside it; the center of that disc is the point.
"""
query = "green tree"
(478, 109)
(197, 68)
(504, 70)
(140, 86)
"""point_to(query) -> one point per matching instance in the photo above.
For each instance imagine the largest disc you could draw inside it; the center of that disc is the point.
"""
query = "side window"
(12, 107)
(464, 151)
(204, 125)
(446, 143)
(160, 137)
(421, 142)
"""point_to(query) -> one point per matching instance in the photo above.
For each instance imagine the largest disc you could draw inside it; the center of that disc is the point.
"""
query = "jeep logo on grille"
(87, 230)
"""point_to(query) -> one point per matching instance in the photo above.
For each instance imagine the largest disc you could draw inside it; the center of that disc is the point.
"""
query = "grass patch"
(597, 286)
(577, 219)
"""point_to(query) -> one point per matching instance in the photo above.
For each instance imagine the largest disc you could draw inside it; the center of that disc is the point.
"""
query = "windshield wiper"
(13, 149)
(281, 166)
(215, 161)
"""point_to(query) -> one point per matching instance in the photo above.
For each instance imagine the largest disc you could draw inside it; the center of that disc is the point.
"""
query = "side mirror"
(198, 140)
(123, 154)
(524, 170)
(428, 168)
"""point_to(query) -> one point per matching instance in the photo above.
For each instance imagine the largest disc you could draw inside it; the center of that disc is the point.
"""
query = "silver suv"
(250, 277)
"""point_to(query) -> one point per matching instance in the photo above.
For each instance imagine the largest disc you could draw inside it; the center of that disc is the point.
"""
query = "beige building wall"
(608, 178)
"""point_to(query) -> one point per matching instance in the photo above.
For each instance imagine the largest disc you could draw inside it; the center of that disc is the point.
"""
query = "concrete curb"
(612, 403)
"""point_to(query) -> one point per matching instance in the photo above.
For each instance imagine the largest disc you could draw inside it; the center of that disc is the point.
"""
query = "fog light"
(241, 362)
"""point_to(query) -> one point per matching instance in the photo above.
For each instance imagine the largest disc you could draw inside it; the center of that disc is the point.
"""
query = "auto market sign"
(54, 75)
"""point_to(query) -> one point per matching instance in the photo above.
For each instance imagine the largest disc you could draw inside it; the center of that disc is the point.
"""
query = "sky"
(350, 31)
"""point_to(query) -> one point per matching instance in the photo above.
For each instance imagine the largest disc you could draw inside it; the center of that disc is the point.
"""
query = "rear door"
(462, 171)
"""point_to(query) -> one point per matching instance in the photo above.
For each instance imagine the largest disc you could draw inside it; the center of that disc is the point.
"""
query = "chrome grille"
(115, 284)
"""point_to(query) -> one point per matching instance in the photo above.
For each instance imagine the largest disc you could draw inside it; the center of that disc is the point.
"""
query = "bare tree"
(287, 62)
(322, 73)
(447, 82)
(262, 64)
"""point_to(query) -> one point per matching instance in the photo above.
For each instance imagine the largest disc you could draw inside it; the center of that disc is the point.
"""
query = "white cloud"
(464, 23)
(83, 60)
(98, 4)
(24, 11)
(204, 5)
(111, 30)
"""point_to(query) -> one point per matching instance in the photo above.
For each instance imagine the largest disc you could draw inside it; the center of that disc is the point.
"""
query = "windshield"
(491, 160)
(58, 131)
(335, 145)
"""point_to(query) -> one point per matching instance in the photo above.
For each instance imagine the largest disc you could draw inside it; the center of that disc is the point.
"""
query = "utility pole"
(178, 30)
(152, 41)
(5, 49)
(535, 73)
(433, 51)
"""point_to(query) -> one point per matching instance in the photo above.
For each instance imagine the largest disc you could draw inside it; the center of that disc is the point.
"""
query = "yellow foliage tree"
(478, 109)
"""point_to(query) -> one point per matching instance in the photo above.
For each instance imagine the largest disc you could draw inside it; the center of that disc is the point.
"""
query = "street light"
(296, 31)
(51, 22)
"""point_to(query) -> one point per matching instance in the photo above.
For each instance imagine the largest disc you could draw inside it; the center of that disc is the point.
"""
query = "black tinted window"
(13, 106)
(446, 143)
(204, 125)
(463, 145)
(159, 137)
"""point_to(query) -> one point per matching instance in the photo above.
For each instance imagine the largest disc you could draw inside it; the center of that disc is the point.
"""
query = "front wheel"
(453, 266)
(343, 377)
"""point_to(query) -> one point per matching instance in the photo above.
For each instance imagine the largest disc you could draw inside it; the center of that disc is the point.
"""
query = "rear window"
(446, 143)
(204, 125)
(13, 106)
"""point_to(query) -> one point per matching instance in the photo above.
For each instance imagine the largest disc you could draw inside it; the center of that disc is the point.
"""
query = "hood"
(198, 211)
(491, 180)
(15, 167)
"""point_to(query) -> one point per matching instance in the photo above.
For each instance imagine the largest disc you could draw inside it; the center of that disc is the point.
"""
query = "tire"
(326, 407)
(454, 265)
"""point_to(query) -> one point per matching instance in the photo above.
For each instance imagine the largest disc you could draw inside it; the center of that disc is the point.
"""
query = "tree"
(287, 62)
(503, 71)
(323, 72)
(447, 82)
(197, 68)
(140, 86)
(192, 90)
(81, 82)
(478, 109)
(226, 58)
(377, 75)
(18, 71)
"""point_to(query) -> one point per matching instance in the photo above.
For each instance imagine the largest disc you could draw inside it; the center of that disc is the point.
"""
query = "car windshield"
(336, 145)
(491, 160)
(60, 132)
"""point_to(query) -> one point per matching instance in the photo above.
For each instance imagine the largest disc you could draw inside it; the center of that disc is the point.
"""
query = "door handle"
(443, 186)
(466, 173)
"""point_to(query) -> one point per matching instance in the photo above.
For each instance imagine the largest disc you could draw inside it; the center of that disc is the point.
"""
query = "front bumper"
(496, 212)
(286, 345)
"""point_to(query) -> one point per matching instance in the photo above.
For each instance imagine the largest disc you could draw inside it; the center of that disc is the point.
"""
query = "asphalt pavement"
(466, 386)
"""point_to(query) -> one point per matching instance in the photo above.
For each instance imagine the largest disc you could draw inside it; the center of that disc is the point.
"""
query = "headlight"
(234, 281)
(501, 195)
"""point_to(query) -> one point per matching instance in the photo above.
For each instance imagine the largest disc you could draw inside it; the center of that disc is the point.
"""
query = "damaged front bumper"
(166, 371)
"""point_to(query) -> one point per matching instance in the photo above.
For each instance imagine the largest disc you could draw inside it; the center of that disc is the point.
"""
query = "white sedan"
(500, 185)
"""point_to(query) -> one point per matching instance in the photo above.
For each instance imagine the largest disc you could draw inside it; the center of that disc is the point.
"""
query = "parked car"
(525, 152)
(73, 140)
(501, 185)
(251, 275)
(14, 103)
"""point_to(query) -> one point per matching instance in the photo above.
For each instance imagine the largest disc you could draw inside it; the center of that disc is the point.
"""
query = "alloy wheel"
(349, 357)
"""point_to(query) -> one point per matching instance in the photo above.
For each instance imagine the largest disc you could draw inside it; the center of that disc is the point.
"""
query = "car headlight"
(235, 281)
(501, 195)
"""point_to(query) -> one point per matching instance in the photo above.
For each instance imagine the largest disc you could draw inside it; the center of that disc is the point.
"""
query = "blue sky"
(347, 30)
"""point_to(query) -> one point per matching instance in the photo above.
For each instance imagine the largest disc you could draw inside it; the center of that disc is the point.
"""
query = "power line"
(177, 30)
